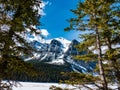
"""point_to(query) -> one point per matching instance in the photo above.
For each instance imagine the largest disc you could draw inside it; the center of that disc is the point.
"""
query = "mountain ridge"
(59, 51)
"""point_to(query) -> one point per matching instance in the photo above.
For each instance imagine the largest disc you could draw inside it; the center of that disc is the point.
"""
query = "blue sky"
(57, 12)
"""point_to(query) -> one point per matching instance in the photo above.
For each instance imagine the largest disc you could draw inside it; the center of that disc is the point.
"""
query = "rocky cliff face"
(60, 51)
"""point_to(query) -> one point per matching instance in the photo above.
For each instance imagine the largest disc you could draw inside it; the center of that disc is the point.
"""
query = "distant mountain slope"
(59, 51)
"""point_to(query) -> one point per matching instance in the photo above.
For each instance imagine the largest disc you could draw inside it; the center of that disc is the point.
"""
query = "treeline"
(44, 72)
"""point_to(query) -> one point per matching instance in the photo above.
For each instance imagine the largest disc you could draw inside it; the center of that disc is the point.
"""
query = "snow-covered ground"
(37, 86)
(46, 86)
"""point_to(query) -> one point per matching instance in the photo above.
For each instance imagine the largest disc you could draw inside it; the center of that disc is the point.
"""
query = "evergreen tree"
(16, 16)
(87, 19)
(97, 18)
(110, 26)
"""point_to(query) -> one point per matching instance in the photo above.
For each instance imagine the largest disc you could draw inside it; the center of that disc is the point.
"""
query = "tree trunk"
(101, 69)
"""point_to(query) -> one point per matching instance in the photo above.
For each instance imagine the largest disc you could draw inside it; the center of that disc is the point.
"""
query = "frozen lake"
(37, 86)
(46, 86)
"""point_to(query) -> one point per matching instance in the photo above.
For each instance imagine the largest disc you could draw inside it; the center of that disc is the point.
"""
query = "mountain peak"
(62, 39)
(59, 51)
(74, 42)
(56, 42)
(64, 42)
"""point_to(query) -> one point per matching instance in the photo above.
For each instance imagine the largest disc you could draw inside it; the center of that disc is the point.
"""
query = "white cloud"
(44, 32)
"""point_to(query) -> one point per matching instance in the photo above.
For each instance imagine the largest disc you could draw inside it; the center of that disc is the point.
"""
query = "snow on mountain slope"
(57, 61)
(59, 51)
(65, 43)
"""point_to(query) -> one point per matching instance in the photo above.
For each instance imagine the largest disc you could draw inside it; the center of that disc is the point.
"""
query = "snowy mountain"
(59, 51)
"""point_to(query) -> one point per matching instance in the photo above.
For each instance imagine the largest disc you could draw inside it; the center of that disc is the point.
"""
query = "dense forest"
(44, 72)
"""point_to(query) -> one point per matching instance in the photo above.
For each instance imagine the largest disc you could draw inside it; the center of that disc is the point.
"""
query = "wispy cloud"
(44, 32)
